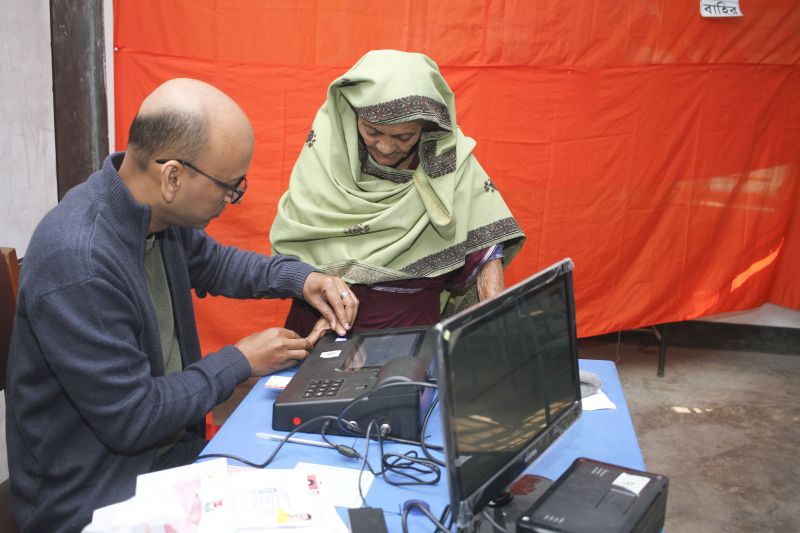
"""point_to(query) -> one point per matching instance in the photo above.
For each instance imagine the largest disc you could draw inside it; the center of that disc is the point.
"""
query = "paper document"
(194, 498)
(338, 485)
(198, 493)
(597, 401)
(211, 497)
(280, 498)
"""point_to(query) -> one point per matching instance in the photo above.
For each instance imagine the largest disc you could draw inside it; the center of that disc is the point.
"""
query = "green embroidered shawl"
(351, 217)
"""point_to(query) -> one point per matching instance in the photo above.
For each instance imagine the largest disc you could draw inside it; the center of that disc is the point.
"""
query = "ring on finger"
(344, 294)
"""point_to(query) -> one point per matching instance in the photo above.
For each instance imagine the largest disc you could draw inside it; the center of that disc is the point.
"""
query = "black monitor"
(508, 385)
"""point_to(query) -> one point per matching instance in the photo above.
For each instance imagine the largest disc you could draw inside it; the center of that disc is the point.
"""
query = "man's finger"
(296, 355)
(288, 334)
(298, 343)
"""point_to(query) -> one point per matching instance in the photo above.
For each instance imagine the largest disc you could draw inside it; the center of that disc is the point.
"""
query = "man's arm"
(93, 337)
(229, 271)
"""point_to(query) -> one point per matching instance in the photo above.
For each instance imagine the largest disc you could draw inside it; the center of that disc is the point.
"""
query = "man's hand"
(273, 349)
(332, 298)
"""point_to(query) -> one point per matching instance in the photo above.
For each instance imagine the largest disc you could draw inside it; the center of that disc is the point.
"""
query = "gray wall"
(27, 144)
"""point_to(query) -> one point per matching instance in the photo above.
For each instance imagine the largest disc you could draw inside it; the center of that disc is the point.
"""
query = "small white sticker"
(340, 339)
(277, 382)
(631, 483)
(330, 355)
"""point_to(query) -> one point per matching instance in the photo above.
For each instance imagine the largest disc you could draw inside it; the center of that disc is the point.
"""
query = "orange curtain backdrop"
(658, 149)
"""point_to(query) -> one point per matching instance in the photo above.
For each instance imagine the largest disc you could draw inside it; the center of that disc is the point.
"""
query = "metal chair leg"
(662, 350)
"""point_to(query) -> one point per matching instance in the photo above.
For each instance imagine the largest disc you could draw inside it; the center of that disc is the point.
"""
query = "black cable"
(347, 451)
(422, 431)
(414, 443)
(403, 464)
(445, 513)
(344, 424)
(364, 462)
(426, 512)
(399, 464)
(419, 443)
(491, 520)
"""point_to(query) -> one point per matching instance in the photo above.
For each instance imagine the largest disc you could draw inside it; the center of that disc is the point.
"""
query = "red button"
(297, 421)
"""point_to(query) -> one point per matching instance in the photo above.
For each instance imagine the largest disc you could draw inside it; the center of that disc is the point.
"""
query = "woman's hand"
(320, 328)
(332, 298)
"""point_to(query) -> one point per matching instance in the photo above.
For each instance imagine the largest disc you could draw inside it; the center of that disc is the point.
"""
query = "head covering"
(349, 216)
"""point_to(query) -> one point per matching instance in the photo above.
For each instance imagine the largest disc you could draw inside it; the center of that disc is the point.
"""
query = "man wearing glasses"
(105, 375)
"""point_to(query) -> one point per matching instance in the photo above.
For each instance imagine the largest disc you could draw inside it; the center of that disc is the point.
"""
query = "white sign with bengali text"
(720, 8)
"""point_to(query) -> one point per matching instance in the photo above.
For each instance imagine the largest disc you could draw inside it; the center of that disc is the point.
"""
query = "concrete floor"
(724, 426)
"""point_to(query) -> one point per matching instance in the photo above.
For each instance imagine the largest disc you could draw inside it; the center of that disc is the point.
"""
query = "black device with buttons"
(596, 497)
(341, 369)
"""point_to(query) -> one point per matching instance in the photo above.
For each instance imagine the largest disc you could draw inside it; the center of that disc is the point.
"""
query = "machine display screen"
(376, 350)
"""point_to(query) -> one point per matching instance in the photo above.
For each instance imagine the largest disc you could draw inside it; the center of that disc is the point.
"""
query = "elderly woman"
(387, 195)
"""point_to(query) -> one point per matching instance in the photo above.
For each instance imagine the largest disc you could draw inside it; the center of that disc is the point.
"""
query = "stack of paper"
(212, 497)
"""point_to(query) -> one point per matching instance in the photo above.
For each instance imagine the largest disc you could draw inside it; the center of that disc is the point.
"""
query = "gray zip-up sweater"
(87, 402)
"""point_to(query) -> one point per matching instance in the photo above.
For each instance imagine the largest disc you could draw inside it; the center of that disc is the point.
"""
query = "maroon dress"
(395, 304)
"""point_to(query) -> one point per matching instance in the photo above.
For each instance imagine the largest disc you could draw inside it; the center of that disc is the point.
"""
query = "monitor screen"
(509, 385)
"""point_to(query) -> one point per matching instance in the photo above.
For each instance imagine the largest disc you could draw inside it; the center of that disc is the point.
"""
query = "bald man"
(105, 375)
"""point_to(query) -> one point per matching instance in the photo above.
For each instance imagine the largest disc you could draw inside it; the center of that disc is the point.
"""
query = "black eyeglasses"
(237, 190)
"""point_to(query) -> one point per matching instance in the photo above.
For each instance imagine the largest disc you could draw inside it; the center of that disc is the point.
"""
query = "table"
(605, 435)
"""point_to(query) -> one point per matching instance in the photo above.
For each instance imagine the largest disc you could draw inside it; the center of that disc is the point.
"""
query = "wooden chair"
(9, 281)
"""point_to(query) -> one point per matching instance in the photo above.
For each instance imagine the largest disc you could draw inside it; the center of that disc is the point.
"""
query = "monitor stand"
(502, 512)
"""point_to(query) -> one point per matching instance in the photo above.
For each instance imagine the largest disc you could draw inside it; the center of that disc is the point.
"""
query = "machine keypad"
(323, 387)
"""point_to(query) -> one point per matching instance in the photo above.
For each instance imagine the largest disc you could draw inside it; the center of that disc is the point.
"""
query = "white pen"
(271, 436)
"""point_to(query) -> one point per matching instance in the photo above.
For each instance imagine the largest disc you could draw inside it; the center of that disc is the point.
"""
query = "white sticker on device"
(632, 483)
(331, 354)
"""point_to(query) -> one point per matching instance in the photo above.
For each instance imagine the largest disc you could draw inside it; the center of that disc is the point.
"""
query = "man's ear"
(170, 180)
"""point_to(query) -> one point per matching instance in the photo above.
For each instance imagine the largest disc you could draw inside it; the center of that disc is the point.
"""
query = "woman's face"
(390, 144)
